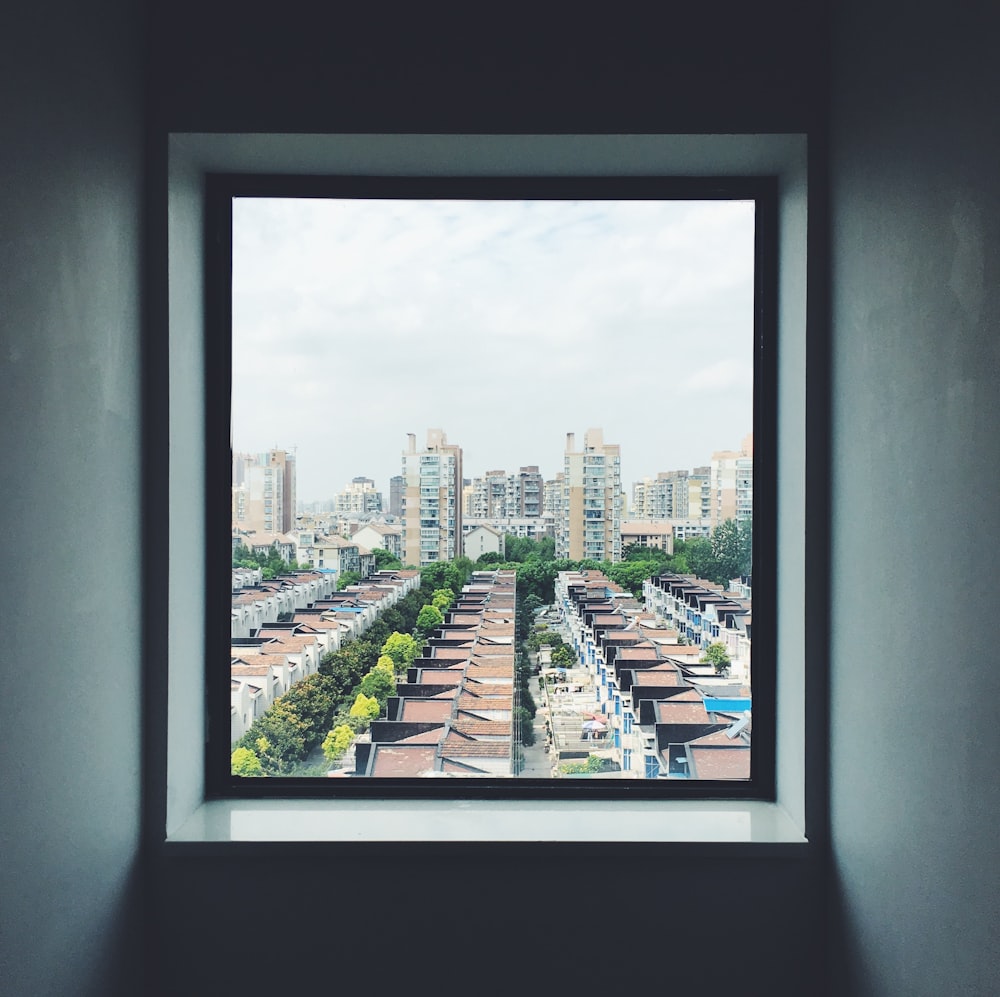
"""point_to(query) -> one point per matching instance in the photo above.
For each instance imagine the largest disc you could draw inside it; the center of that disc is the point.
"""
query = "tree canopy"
(245, 762)
(717, 654)
(427, 619)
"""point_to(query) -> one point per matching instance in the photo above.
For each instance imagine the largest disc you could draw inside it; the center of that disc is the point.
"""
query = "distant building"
(432, 506)
(489, 495)
(732, 483)
(264, 492)
(525, 527)
(482, 540)
(589, 524)
(648, 533)
(397, 486)
(359, 497)
(499, 495)
(372, 535)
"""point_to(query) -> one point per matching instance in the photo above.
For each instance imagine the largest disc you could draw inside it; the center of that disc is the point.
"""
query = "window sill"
(726, 827)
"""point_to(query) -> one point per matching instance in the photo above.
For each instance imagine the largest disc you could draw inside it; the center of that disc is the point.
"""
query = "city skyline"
(506, 324)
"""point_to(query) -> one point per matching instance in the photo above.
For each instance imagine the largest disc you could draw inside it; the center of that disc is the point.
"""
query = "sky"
(507, 324)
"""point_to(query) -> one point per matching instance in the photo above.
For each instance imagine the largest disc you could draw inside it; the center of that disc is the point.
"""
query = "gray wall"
(915, 203)
(596, 918)
(71, 89)
(914, 240)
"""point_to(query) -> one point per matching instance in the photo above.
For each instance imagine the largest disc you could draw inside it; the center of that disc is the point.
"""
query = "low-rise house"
(386, 536)
(653, 533)
(453, 713)
(482, 540)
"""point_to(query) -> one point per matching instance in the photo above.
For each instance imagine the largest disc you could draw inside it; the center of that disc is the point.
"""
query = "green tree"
(717, 654)
(402, 648)
(545, 549)
(427, 619)
(337, 742)
(348, 578)
(745, 547)
(245, 762)
(531, 603)
(442, 598)
(537, 578)
(698, 553)
(365, 707)
(379, 684)
(384, 561)
(631, 574)
(726, 549)
(563, 657)
(527, 731)
(517, 548)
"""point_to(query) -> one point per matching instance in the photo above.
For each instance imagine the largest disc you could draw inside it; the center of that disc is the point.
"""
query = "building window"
(757, 697)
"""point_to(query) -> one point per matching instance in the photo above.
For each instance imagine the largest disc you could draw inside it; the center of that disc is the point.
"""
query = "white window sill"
(729, 825)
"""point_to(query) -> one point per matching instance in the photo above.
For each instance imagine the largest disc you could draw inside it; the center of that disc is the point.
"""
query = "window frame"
(181, 815)
(220, 190)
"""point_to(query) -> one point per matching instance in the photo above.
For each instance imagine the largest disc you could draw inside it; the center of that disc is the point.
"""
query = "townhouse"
(454, 713)
(281, 629)
(650, 687)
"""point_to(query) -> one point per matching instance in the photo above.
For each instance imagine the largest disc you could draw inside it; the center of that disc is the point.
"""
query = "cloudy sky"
(505, 323)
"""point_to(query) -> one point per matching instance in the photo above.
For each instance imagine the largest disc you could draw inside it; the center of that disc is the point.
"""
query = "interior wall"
(71, 205)
(420, 909)
(915, 204)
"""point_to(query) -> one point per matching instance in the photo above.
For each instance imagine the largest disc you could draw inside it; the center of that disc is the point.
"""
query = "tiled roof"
(474, 727)
(458, 747)
(424, 737)
(392, 761)
(426, 709)
(649, 677)
(721, 763)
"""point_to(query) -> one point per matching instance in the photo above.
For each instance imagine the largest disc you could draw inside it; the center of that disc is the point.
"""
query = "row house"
(704, 614)
(268, 657)
(635, 658)
(453, 714)
(246, 578)
(254, 605)
(605, 626)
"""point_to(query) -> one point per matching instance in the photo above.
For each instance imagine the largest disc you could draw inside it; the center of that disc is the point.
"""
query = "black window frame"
(220, 190)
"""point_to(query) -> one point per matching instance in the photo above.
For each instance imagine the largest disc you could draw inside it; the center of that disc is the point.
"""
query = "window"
(565, 268)
(179, 384)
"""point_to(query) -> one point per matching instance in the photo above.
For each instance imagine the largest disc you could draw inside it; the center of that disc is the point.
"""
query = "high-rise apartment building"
(525, 493)
(499, 495)
(397, 485)
(552, 498)
(264, 491)
(359, 497)
(673, 495)
(591, 510)
(432, 500)
(732, 483)
(489, 495)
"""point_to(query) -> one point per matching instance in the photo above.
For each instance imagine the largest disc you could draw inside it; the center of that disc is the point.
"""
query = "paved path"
(537, 762)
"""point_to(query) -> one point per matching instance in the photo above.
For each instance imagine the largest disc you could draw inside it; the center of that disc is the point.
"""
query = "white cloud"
(506, 323)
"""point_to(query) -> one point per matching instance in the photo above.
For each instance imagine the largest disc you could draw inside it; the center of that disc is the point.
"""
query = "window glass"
(491, 471)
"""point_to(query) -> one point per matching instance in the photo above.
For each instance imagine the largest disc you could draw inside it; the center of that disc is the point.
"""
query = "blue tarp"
(714, 705)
